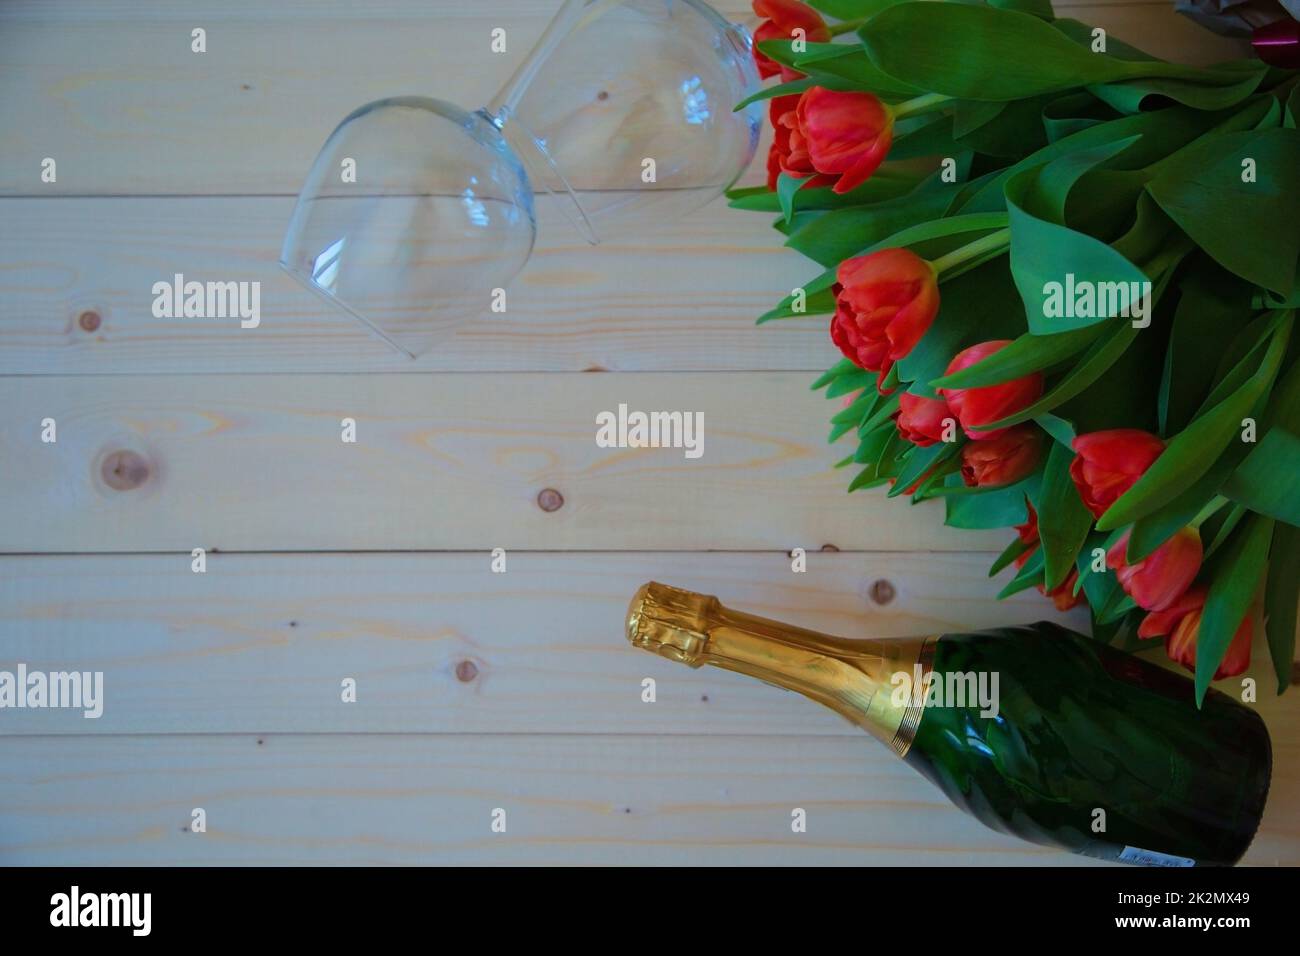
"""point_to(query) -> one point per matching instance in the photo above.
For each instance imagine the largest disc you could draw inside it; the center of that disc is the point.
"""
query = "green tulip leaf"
(941, 228)
(1212, 301)
(791, 88)
(1081, 33)
(852, 9)
(1162, 132)
(1023, 356)
(970, 115)
(860, 379)
(1195, 449)
(981, 52)
(1201, 188)
(1060, 430)
(1059, 270)
(842, 367)
(1281, 596)
(929, 135)
(1240, 358)
(885, 184)
(974, 307)
(1048, 193)
(1096, 361)
(983, 508)
(857, 411)
(815, 303)
(1154, 529)
(1030, 575)
(1100, 588)
(1266, 481)
(1072, 112)
(1014, 129)
(786, 187)
(1014, 550)
(1130, 96)
(842, 233)
(1038, 8)
(1236, 578)
(1063, 520)
(872, 444)
(844, 64)
(920, 461)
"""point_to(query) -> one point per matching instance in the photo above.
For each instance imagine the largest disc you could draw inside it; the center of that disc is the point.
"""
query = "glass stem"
(504, 103)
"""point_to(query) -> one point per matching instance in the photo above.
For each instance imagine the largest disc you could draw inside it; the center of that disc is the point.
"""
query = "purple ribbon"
(1278, 44)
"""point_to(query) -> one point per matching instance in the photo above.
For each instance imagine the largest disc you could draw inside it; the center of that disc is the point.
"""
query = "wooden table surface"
(475, 690)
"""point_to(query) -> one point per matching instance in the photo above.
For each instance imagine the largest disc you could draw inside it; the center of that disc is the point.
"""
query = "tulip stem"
(848, 26)
(919, 105)
(982, 249)
(1217, 502)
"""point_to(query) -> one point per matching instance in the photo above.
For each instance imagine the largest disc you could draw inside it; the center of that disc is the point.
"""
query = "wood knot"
(881, 591)
(548, 499)
(124, 470)
(466, 671)
(89, 320)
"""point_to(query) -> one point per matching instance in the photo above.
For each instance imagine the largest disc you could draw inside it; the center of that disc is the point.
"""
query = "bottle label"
(1133, 854)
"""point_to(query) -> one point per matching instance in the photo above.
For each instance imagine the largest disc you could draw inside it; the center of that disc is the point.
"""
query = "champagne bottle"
(1036, 731)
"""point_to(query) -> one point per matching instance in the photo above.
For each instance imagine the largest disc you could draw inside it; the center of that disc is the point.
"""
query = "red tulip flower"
(1109, 463)
(789, 151)
(1062, 596)
(782, 18)
(845, 134)
(975, 407)
(922, 420)
(1003, 460)
(1161, 578)
(1180, 625)
(884, 303)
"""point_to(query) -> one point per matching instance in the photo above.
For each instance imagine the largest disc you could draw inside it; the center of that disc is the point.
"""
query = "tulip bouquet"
(1063, 275)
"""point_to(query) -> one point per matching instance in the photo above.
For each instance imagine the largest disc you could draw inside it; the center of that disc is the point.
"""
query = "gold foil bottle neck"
(671, 622)
(855, 678)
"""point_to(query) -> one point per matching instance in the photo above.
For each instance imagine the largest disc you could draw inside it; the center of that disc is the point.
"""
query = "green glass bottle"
(1036, 731)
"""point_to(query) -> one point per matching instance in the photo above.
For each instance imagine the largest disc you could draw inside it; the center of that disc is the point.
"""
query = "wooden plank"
(684, 300)
(114, 94)
(377, 799)
(255, 463)
(440, 643)
(680, 299)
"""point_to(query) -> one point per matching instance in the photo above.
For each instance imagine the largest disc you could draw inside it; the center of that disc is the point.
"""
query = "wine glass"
(417, 214)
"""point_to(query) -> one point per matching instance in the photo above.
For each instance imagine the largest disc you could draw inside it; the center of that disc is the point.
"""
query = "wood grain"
(324, 799)
(476, 690)
(679, 300)
(440, 643)
(256, 463)
(117, 98)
